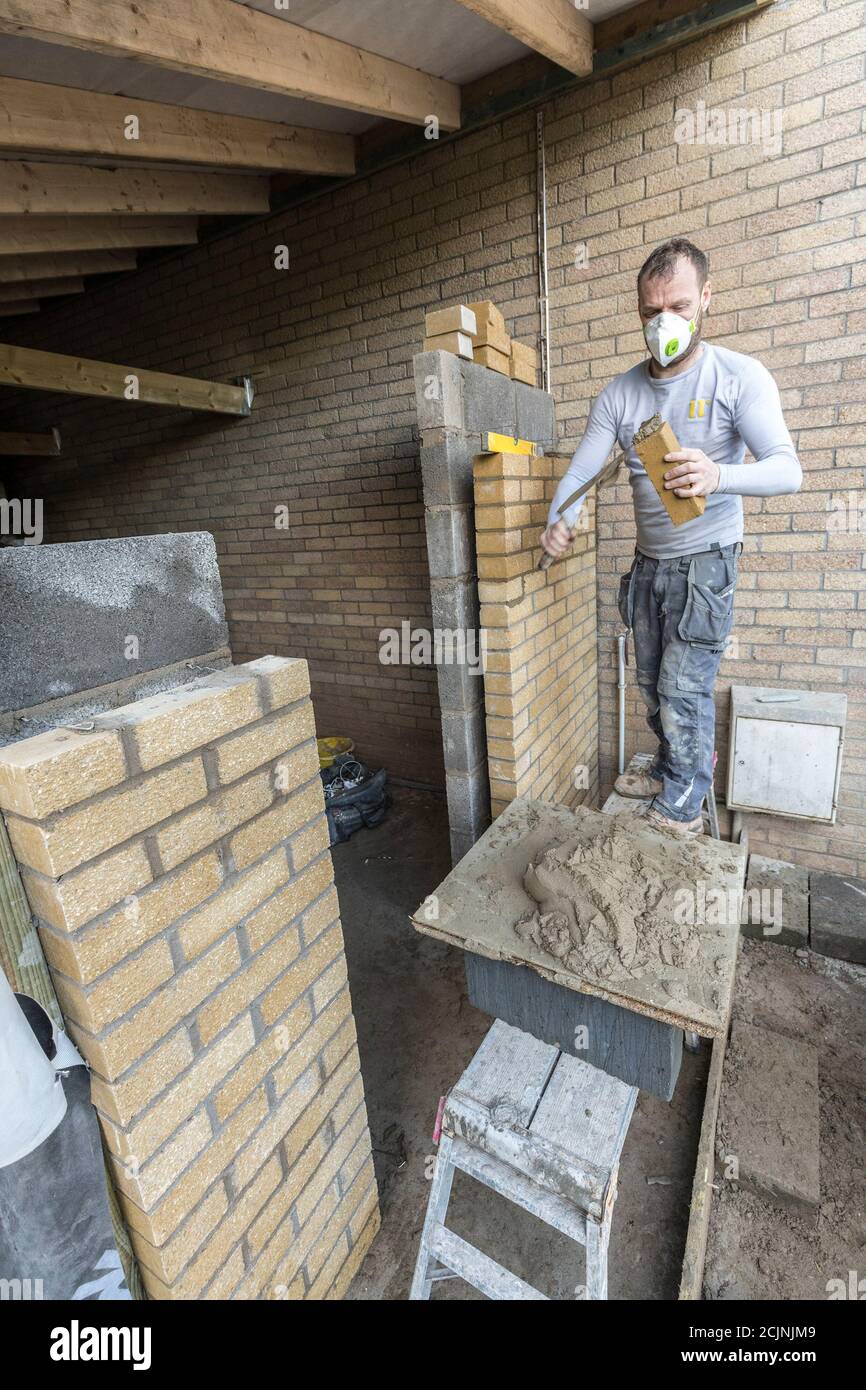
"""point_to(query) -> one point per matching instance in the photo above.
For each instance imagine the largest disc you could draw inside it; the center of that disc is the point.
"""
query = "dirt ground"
(756, 1250)
(416, 1033)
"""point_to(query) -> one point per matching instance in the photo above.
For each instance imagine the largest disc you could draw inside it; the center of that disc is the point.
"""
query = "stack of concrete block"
(776, 902)
(175, 854)
(458, 403)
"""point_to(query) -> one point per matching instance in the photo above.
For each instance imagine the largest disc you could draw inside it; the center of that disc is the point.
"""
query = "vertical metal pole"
(541, 220)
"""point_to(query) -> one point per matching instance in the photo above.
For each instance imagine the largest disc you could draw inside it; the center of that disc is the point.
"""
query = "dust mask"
(668, 336)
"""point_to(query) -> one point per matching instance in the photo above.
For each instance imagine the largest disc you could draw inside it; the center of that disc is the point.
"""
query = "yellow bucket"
(331, 748)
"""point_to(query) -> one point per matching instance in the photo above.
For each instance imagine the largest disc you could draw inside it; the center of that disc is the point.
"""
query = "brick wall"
(330, 344)
(541, 678)
(176, 858)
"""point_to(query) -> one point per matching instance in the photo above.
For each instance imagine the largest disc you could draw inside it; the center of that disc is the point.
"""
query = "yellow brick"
(41, 775)
(78, 897)
(327, 986)
(119, 991)
(55, 847)
(266, 741)
(268, 1052)
(278, 1265)
(500, 466)
(188, 834)
(330, 1270)
(93, 950)
(269, 1135)
(214, 1255)
(175, 1105)
(317, 918)
(325, 1173)
(163, 1220)
(247, 986)
(229, 908)
(119, 1049)
(305, 1048)
(145, 1185)
(122, 1100)
(301, 975)
(291, 902)
(282, 679)
(168, 725)
(288, 814)
(167, 1261)
(229, 1276)
(309, 843)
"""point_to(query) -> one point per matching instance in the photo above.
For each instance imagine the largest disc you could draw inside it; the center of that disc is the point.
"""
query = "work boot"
(637, 784)
(682, 827)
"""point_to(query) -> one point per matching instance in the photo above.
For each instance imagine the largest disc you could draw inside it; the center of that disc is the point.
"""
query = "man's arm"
(761, 426)
(588, 459)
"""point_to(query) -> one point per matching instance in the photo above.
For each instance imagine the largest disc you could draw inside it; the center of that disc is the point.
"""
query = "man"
(678, 596)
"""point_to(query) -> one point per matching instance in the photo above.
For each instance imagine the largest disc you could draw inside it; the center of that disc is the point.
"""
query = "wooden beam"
(51, 371)
(24, 306)
(40, 118)
(16, 270)
(555, 28)
(231, 43)
(79, 189)
(655, 26)
(29, 236)
(41, 289)
(36, 445)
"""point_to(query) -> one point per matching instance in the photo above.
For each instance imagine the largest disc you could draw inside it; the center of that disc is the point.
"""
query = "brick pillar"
(176, 858)
(540, 686)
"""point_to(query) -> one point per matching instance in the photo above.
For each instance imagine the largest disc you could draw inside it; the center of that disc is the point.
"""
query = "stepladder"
(543, 1130)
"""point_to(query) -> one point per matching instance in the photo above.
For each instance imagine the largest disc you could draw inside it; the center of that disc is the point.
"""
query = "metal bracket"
(249, 392)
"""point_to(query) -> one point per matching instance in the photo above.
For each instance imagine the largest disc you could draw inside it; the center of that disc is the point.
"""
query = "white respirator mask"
(668, 336)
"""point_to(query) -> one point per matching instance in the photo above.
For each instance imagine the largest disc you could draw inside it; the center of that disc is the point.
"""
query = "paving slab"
(769, 1120)
(776, 903)
(838, 917)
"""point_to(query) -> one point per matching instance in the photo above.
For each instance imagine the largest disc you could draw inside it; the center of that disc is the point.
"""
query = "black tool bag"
(350, 808)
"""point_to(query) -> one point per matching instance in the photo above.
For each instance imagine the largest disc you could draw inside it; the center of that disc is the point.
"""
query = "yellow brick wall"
(540, 682)
(176, 858)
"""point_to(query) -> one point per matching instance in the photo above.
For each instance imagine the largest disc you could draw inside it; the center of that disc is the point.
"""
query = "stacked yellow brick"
(540, 626)
(176, 858)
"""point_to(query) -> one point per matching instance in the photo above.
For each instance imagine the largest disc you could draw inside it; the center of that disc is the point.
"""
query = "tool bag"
(363, 803)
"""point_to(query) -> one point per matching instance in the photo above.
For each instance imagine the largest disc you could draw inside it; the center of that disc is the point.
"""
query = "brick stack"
(176, 857)
(477, 332)
(540, 682)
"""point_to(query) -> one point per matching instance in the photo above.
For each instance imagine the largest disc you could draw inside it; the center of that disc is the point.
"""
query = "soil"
(756, 1249)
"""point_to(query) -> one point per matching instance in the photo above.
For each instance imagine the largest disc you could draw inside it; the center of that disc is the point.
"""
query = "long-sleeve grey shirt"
(724, 404)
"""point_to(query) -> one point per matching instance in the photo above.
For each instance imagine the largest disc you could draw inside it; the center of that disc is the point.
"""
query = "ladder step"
(564, 1217)
(478, 1269)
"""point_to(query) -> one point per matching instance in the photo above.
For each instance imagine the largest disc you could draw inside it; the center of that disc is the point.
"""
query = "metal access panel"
(786, 752)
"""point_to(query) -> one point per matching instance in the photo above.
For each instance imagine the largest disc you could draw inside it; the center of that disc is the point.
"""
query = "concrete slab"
(769, 1120)
(838, 917)
(78, 616)
(776, 903)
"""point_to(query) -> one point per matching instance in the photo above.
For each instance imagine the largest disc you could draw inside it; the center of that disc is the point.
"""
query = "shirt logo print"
(697, 408)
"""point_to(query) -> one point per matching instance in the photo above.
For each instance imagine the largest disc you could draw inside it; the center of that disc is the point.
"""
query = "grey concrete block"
(447, 458)
(838, 917)
(69, 612)
(461, 843)
(454, 603)
(450, 541)
(536, 414)
(460, 689)
(439, 390)
(464, 738)
(488, 400)
(776, 902)
(769, 1118)
(639, 1050)
(468, 800)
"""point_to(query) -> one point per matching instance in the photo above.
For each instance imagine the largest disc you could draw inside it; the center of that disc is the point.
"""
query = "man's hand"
(695, 474)
(557, 539)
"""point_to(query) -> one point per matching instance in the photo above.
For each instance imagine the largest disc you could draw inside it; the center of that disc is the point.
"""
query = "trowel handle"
(546, 561)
